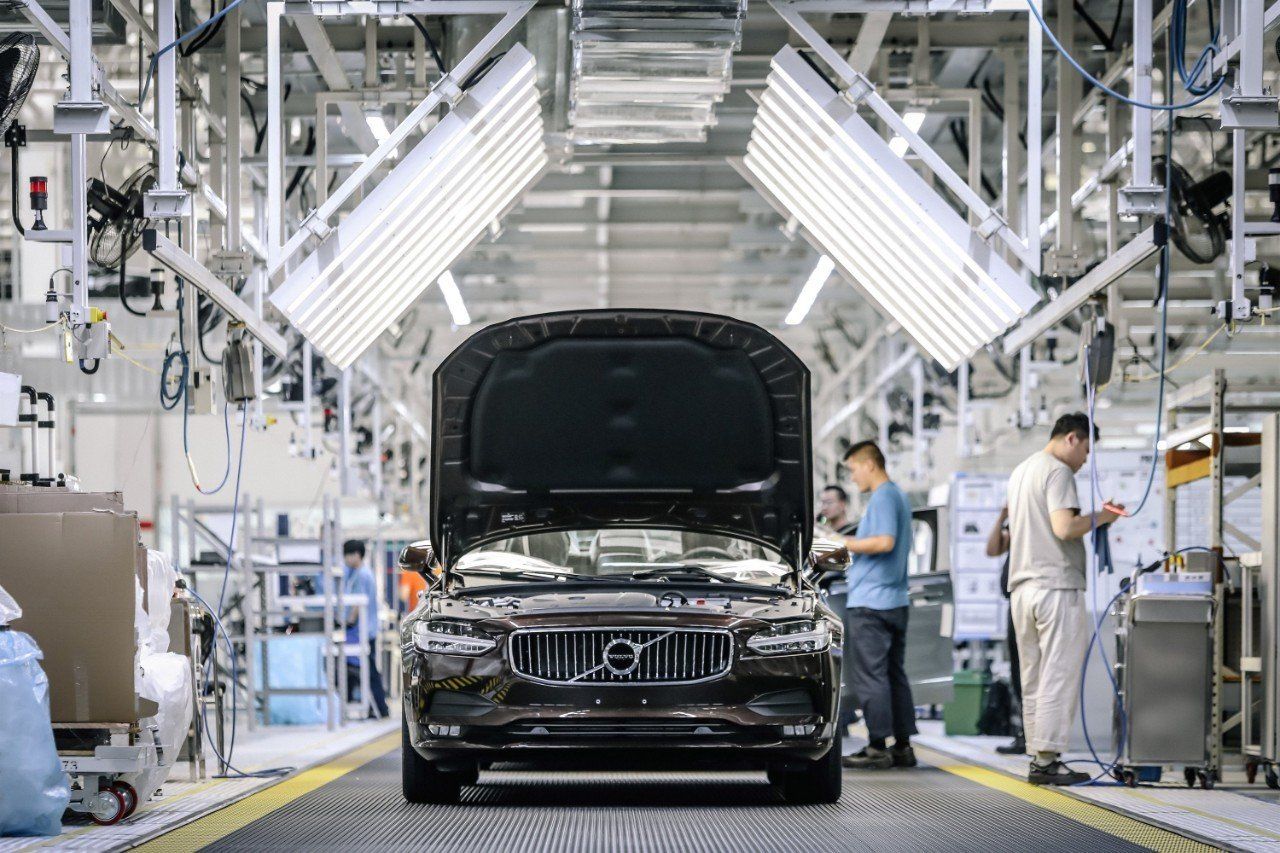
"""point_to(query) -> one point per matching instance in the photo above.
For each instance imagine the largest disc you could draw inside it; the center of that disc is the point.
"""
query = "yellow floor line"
(223, 822)
(1127, 828)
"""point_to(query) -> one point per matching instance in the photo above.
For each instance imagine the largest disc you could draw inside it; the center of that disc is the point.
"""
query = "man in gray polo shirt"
(1047, 587)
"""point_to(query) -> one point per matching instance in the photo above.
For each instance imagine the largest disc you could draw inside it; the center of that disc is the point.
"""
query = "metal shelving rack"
(258, 605)
(270, 610)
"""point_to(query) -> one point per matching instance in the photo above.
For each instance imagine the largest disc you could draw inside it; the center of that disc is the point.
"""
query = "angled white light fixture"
(913, 119)
(453, 299)
(450, 188)
(809, 293)
(889, 233)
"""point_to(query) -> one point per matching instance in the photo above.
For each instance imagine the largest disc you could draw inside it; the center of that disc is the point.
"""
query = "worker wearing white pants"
(1052, 626)
(1047, 585)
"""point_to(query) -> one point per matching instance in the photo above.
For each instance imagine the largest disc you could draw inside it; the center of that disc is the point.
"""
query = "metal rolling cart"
(1164, 672)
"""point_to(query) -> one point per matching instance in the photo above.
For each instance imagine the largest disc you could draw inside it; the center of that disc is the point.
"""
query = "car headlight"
(451, 638)
(791, 638)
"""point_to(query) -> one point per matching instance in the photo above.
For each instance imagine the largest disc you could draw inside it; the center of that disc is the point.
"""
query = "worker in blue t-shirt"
(362, 621)
(878, 604)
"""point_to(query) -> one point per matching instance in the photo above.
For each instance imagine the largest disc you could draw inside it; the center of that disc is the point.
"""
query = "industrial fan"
(116, 222)
(19, 58)
(1196, 229)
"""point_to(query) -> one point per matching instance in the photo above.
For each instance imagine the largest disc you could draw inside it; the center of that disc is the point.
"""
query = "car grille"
(621, 655)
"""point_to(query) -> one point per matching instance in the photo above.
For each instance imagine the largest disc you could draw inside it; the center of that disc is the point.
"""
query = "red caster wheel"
(107, 807)
(130, 796)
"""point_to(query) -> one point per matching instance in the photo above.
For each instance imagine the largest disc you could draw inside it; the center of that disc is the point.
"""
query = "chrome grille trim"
(574, 656)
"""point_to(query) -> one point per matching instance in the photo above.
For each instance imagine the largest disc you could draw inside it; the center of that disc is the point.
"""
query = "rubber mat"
(910, 810)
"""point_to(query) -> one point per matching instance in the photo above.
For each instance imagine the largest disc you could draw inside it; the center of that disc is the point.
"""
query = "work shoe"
(903, 756)
(1018, 746)
(869, 758)
(1055, 773)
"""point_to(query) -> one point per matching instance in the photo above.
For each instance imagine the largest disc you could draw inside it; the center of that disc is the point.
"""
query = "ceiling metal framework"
(288, 114)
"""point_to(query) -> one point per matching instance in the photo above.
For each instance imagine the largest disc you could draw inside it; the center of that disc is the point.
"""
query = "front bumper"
(766, 711)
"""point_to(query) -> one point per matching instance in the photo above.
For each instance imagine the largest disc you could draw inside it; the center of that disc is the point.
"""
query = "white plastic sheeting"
(164, 677)
(33, 789)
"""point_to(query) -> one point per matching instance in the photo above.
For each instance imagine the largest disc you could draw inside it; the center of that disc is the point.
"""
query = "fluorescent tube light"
(378, 126)
(821, 272)
(450, 188)
(889, 233)
(914, 119)
(453, 299)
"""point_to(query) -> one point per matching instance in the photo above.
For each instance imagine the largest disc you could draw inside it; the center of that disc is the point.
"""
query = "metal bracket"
(858, 90)
(1232, 309)
(315, 225)
(1250, 112)
(1142, 201)
(231, 264)
(1063, 263)
(991, 225)
(166, 204)
(92, 118)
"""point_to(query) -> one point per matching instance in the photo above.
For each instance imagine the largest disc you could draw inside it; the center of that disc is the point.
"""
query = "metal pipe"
(166, 103)
(275, 142)
(231, 58)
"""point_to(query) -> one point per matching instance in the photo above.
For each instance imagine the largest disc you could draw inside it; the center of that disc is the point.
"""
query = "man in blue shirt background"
(362, 622)
(878, 605)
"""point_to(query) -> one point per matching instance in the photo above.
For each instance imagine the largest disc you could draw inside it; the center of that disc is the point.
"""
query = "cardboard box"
(73, 575)
(20, 498)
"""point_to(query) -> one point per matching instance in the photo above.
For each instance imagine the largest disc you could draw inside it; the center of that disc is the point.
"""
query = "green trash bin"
(960, 715)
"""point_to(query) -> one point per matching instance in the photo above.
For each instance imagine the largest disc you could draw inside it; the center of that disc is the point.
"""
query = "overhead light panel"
(458, 181)
(809, 293)
(889, 233)
(453, 299)
(914, 120)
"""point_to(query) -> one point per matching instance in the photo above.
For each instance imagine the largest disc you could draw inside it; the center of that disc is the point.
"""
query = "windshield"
(645, 556)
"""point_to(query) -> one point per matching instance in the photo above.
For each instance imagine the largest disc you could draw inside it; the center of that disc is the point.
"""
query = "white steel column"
(275, 147)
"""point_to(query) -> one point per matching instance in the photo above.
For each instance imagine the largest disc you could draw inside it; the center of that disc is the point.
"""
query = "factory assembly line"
(720, 425)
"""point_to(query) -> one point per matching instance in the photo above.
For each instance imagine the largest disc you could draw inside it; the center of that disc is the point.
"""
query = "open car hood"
(621, 418)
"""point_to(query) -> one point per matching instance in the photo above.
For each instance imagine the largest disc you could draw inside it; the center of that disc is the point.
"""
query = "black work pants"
(377, 692)
(1015, 660)
(878, 645)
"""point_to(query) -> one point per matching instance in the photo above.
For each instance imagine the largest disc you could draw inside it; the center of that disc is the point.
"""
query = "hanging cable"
(189, 34)
(1104, 88)
(431, 45)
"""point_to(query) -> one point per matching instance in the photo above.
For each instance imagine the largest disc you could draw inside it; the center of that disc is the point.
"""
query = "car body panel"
(629, 418)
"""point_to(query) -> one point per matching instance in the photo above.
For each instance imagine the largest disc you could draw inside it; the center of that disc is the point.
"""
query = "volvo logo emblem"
(621, 657)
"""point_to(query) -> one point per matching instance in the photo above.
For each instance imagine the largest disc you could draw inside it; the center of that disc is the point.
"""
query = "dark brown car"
(621, 506)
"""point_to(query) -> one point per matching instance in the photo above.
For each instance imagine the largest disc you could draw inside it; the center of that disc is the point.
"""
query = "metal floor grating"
(913, 810)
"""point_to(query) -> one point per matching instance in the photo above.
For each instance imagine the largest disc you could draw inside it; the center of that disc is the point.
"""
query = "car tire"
(820, 782)
(420, 780)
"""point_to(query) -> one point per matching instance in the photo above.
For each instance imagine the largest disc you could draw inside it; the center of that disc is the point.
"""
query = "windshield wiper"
(532, 574)
(681, 569)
